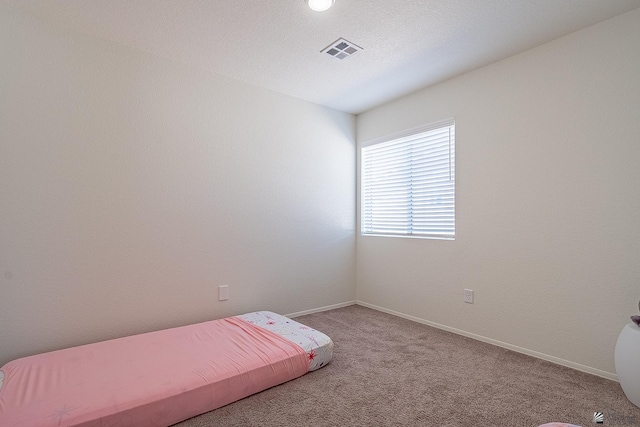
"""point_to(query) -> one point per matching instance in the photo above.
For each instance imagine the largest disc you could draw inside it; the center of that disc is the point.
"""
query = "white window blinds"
(408, 184)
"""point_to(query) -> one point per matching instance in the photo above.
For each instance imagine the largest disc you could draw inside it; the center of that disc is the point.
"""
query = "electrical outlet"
(468, 296)
(223, 293)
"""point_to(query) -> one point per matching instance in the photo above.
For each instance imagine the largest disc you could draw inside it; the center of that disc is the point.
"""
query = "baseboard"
(318, 310)
(553, 359)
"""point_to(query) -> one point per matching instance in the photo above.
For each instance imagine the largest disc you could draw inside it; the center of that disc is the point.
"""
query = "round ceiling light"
(320, 5)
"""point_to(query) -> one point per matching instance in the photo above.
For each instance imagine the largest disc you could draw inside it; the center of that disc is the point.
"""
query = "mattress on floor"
(318, 346)
(158, 378)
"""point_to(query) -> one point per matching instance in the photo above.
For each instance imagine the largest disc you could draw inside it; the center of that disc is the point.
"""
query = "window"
(408, 184)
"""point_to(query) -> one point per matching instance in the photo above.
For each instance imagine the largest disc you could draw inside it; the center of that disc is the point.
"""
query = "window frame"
(413, 132)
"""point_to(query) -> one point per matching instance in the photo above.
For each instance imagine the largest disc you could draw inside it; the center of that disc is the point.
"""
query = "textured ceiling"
(276, 44)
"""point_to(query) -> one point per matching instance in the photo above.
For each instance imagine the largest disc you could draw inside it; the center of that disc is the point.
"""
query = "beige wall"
(548, 201)
(131, 187)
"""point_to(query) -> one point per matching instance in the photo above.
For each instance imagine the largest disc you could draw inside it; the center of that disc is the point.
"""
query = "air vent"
(341, 49)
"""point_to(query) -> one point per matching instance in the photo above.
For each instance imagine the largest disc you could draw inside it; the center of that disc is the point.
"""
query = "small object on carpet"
(558, 425)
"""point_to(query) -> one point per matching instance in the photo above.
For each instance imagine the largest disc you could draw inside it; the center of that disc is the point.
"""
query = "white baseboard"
(553, 359)
(318, 310)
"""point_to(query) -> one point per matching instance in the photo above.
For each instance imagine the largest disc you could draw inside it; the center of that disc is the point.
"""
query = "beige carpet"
(388, 371)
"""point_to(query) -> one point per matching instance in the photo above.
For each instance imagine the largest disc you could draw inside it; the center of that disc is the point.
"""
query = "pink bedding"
(154, 379)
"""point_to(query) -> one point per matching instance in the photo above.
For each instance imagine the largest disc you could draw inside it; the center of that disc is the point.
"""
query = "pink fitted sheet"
(154, 379)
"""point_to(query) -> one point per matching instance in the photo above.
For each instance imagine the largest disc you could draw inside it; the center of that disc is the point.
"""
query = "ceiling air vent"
(341, 49)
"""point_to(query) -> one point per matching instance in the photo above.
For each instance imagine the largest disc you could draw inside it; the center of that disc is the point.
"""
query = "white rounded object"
(627, 361)
(320, 5)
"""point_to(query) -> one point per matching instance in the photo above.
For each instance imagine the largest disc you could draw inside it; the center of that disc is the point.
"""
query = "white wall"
(548, 201)
(132, 186)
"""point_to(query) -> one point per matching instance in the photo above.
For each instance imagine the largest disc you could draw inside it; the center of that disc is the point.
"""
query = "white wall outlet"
(468, 296)
(223, 293)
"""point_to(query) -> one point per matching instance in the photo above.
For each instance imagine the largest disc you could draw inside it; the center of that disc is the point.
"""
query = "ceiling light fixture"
(320, 5)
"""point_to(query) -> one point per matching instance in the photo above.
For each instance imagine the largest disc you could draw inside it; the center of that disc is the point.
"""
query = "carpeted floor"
(388, 371)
